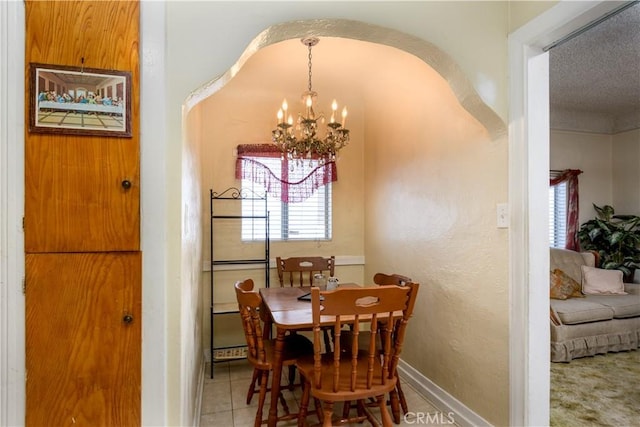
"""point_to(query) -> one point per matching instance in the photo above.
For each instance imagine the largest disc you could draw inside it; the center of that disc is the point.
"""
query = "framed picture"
(81, 101)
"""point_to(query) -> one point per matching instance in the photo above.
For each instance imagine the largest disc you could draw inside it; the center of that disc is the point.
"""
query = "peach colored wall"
(432, 182)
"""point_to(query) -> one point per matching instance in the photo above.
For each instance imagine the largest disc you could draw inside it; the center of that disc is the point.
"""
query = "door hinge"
(22, 223)
(24, 286)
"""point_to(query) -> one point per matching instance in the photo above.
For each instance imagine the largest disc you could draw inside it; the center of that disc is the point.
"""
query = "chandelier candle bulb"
(334, 108)
(344, 116)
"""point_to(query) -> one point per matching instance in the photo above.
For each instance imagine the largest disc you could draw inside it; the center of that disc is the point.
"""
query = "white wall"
(610, 165)
(626, 172)
(592, 153)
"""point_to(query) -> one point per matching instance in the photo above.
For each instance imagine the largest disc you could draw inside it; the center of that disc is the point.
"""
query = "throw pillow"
(598, 281)
(562, 286)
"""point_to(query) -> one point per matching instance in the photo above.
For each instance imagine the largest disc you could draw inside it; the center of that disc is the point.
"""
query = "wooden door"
(83, 339)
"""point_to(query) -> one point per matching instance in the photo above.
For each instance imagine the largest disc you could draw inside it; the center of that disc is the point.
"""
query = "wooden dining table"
(287, 313)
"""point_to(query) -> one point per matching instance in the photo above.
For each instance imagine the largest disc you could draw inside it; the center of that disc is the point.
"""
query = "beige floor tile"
(220, 372)
(216, 397)
(240, 369)
(218, 419)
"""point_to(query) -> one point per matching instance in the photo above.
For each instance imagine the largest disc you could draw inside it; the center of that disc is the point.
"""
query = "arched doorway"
(246, 105)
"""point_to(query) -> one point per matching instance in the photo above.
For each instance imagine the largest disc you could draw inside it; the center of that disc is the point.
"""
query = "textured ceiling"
(595, 77)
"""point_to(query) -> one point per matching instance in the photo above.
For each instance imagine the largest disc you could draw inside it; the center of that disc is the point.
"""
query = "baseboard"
(460, 414)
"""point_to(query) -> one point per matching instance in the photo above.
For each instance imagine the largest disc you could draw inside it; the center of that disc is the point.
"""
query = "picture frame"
(79, 101)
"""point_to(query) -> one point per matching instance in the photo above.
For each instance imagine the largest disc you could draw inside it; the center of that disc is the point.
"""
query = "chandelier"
(308, 144)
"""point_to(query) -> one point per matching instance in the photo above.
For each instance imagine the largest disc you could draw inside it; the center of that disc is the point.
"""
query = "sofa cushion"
(622, 305)
(574, 311)
(598, 281)
(562, 286)
(570, 261)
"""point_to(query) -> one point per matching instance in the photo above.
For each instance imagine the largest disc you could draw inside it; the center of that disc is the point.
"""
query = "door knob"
(128, 319)
(126, 184)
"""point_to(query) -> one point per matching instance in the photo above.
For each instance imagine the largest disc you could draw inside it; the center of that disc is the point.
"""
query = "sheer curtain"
(570, 177)
(279, 179)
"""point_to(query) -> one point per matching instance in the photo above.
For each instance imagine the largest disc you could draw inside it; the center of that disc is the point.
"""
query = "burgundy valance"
(284, 183)
(570, 176)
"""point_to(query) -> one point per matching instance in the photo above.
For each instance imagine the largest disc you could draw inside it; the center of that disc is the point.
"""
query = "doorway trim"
(12, 373)
(528, 186)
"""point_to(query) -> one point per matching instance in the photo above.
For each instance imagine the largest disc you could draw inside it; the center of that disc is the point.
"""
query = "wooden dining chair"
(299, 271)
(261, 350)
(362, 371)
(383, 279)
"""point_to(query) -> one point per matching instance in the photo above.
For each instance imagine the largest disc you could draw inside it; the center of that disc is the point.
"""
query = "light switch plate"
(502, 210)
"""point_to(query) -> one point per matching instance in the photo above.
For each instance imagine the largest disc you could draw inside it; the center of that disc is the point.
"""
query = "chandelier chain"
(310, 68)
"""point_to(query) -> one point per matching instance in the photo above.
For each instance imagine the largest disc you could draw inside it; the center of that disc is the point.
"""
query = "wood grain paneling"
(83, 359)
(74, 199)
(82, 233)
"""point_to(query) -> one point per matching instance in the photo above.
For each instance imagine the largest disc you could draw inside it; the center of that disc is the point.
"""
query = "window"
(558, 215)
(306, 220)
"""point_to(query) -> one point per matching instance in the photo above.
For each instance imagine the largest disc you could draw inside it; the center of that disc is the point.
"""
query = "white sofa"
(594, 324)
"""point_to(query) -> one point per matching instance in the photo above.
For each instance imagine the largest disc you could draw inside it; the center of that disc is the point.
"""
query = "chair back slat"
(249, 302)
(385, 310)
(300, 270)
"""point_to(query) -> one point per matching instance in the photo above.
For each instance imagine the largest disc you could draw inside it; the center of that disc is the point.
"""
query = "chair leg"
(292, 377)
(264, 379)
(361, 408)
(346, 408)
(403, 401)
(304, 403)
(252, 386)
(384, 413)
(283, 402)
(327, 409)
(395, 406)
(318, 405)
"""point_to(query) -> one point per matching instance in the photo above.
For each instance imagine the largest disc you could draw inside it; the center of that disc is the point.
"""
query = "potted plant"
(616, 239)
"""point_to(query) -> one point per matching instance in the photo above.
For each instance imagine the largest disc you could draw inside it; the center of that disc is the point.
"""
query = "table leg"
(265, 316)
(276, 376)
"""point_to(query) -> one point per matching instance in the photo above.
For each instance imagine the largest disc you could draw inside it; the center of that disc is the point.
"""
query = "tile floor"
(224, 405)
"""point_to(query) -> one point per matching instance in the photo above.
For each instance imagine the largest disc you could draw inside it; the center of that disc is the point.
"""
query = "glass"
(319, 280)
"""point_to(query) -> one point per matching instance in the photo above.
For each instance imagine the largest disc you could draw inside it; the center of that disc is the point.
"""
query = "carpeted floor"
(602, 390)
